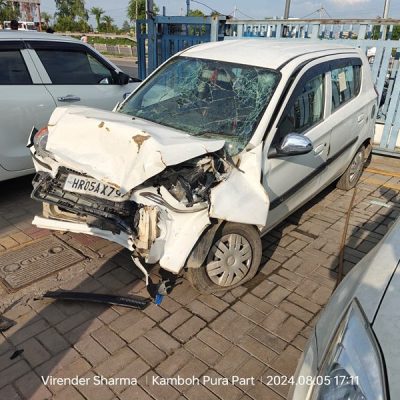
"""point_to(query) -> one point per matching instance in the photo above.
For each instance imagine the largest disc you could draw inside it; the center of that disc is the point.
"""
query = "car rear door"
(350, 113)
(74, 74)
(24, 103)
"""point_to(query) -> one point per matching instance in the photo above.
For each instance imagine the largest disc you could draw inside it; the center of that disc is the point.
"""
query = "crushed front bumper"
(99, 213)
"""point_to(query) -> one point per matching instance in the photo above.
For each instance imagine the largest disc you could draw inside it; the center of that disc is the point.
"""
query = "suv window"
(74, 67)
(307, 108)
(346, 83)
(13, 70)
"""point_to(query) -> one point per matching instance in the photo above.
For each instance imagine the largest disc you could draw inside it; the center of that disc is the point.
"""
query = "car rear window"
(346, 83)
(13, 70)
(70, 67)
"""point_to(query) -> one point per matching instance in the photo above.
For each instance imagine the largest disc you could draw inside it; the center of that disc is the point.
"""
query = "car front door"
(24, 103)
(76, 75)
(291, 180)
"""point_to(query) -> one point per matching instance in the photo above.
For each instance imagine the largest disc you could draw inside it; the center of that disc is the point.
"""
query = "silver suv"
(214, 149)
(40, 71)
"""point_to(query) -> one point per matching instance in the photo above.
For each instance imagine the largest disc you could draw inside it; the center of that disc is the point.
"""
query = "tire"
(222, 269)
(353, 172)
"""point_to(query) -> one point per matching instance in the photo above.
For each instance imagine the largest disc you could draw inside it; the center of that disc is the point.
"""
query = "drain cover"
(30, 263)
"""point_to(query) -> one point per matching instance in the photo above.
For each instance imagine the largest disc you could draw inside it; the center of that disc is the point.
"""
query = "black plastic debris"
(6, 323)
(137, 302)
(16, 354)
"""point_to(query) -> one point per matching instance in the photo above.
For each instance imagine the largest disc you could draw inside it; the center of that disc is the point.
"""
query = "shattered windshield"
(206, 98)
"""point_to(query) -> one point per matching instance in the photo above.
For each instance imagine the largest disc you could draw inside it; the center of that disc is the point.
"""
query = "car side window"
(346, 83)
(307, 108)
(74, 67)
(13, 70)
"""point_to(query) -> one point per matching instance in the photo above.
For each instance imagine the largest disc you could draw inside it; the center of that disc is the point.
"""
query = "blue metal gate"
(160, 38)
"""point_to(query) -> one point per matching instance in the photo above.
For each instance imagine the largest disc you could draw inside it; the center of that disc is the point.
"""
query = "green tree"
(108, 23)
(72, 16)
(137, 9)
(97, 12)
(396, 32)
(72, 8)
(196, 13)
(376, 32)
(126, 27)
(7, 11)
(46, 17)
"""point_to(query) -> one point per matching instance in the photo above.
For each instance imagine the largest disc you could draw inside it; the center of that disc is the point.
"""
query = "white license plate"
(81, 184)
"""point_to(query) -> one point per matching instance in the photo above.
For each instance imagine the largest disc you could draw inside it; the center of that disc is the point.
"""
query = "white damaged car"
(214, 149)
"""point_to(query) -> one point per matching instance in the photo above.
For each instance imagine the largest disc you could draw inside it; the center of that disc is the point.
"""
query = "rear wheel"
(352, 174)
(233, 259)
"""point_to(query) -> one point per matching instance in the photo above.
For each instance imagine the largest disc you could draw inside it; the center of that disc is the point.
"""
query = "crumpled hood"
(117, 148)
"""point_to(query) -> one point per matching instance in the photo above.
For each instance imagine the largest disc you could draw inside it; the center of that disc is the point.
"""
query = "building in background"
(29, 10)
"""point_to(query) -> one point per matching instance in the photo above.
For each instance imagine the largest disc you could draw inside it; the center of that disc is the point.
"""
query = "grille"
(50, 190)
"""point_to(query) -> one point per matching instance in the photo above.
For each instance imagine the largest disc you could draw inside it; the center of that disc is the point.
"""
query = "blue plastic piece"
(158, 299)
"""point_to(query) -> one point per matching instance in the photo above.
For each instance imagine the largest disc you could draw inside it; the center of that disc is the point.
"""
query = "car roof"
(268, 53)
(28, 35)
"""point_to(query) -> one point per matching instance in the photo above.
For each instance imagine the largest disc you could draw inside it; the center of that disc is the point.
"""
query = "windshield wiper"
(207, 132)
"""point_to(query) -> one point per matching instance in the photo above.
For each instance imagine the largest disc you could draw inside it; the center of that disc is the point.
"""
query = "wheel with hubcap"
(233, 259)
(352, 174)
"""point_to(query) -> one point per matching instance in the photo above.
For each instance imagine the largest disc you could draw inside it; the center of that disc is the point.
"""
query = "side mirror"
(123, 78)
(104, 81)
(292, 144)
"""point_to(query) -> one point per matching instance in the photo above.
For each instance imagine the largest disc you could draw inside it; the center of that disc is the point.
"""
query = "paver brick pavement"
(258, 330)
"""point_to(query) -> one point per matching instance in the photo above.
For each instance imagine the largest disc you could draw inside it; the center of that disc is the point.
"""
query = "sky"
(251, 8)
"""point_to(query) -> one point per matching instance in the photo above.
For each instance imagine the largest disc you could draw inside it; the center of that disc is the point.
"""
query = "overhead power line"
(241, 12)
(321, 11)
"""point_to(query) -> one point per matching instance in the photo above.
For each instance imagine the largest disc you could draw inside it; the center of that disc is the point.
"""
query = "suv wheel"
(233, 259)
(352, 174)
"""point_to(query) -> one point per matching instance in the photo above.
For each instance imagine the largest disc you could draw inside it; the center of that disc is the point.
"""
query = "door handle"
(69, 98)
(319, 149)
(361, 118)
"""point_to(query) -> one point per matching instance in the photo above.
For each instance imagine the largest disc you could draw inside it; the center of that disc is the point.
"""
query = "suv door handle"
(319, 149)
(69, 98)
(361, 118)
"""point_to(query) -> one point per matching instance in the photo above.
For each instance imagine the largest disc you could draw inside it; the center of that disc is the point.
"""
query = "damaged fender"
(179, 229)
(241, 197)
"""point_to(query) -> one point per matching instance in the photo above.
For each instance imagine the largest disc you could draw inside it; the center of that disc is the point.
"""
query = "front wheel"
(352, 174)
(233, 259)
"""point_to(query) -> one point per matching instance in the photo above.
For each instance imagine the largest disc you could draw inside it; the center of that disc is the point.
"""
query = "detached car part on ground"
(353, 352)
(208, 154)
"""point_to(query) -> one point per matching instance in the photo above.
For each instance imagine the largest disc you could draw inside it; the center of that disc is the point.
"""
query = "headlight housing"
(40, 139)
(353, 367)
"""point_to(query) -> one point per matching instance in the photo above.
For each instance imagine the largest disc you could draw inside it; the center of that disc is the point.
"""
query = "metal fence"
(165, 36)
(117, 50)
(161, 37)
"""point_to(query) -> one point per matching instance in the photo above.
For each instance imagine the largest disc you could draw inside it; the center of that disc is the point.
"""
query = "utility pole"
(39, 16)
(287, 9)
(386, 9)
(187, 7)
(149, 9)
